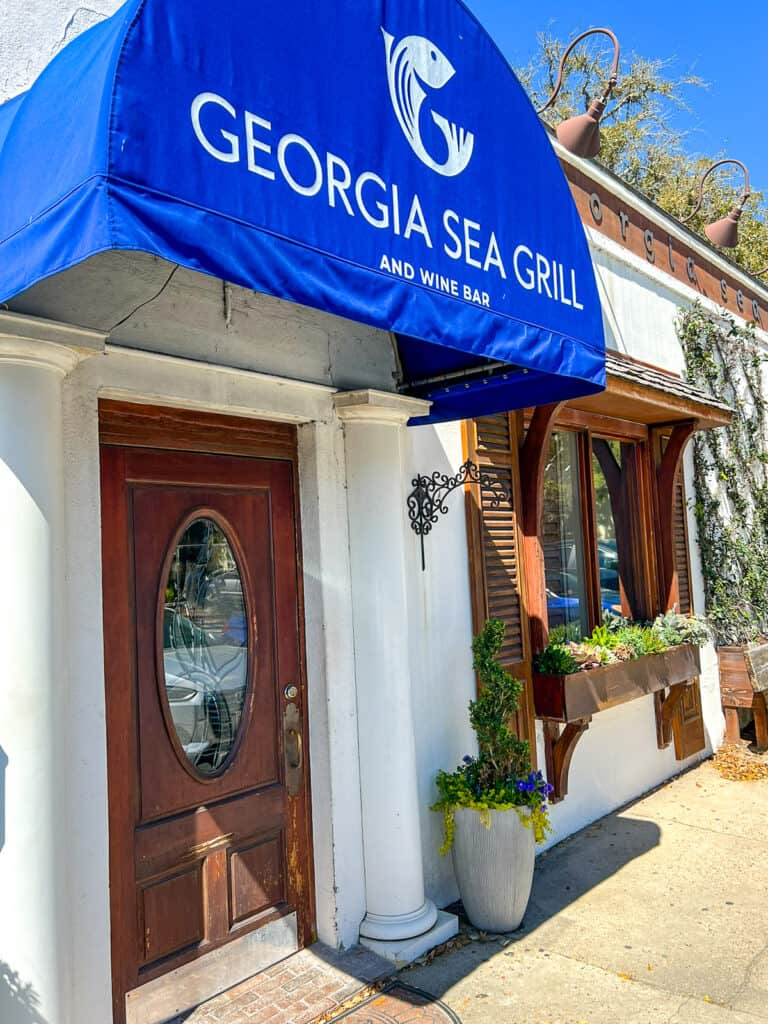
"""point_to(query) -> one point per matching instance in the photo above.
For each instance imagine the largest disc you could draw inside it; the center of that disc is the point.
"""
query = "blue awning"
(376, 159)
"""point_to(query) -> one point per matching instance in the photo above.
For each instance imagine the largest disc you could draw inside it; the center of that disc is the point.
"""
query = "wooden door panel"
(688, 724)
(166, 845)
(171, 914)
(257, 877)
(167, 783)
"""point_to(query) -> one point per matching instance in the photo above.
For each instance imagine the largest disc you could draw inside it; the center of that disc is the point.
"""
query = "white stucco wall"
(440, 618)
(32, 33)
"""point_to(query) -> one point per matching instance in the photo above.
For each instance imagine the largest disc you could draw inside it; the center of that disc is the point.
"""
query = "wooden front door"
(206, 729)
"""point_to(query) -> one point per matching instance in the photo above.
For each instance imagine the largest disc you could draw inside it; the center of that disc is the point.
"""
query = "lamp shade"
(725, 232)
(581, 135)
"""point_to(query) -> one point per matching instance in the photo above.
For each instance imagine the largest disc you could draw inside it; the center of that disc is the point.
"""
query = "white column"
(33, 681)
(335, 765)
(400, 922)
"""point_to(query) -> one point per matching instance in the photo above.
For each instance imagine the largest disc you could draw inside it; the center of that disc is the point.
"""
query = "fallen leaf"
(738, 764)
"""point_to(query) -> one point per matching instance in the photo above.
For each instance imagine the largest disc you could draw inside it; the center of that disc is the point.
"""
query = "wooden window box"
(570, 701)
(744, 684)
(580, 695)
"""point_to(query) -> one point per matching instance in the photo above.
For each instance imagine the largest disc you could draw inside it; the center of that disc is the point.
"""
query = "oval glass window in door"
(205, 646)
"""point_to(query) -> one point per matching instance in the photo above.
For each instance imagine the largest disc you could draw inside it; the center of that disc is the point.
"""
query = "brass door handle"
(293, 751)
(293, 747)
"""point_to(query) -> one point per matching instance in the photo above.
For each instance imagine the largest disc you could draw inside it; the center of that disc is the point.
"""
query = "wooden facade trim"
(560, 748)
(570, 418)
(635, 224)
(668, 458)
(666, 706)
(533, 453)
(134, 425)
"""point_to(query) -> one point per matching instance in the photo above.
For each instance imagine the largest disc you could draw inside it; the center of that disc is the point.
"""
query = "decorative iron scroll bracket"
(427, 500)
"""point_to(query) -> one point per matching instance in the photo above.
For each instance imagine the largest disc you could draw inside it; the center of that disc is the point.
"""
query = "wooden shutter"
(688, 721)
(680, 547)
(495, 563)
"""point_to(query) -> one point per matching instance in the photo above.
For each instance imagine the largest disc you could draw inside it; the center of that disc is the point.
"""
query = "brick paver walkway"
(298, 990)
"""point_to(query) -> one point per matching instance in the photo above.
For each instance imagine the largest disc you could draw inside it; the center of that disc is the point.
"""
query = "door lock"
(291, 692)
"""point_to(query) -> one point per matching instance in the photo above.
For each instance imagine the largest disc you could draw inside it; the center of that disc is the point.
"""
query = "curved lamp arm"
(614, 69)
(744, 196)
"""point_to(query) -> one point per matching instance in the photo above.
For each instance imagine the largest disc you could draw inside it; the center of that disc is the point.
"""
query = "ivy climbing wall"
(730, 473)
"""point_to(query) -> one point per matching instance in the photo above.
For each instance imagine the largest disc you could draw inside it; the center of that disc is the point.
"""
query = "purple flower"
(521, 786)
(467, 759)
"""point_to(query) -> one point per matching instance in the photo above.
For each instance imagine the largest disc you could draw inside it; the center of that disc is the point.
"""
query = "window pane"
(609, 472)
(205, 645)
(563, 542)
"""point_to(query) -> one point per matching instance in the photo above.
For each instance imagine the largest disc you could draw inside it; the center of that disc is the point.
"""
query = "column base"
(399, 927)
(404, 951)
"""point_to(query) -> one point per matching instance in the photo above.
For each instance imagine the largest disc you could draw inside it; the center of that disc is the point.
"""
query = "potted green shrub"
(494, 805)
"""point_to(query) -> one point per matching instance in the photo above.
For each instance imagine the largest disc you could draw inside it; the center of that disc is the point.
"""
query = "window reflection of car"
(205, 676)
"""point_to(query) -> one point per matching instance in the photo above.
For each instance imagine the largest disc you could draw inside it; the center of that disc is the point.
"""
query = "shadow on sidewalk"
(563, 875)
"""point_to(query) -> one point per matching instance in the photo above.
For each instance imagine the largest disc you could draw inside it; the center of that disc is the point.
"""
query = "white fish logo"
(411, 62)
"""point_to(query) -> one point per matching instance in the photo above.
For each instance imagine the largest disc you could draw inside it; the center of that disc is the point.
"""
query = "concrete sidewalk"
(656, 914)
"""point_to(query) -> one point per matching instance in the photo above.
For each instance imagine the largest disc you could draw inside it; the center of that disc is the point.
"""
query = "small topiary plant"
(500, 778)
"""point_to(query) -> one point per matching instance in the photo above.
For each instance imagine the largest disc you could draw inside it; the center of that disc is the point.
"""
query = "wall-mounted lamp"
(723, 232)
(581, 134)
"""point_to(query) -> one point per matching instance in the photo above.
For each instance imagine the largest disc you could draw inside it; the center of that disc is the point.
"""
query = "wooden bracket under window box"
(580, 695)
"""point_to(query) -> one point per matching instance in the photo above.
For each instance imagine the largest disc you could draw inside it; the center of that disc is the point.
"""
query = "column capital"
(46, 344)
(383, 407)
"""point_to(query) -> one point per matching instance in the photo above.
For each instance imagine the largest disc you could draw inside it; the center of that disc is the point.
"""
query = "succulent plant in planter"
(494, 805)
(618, 639)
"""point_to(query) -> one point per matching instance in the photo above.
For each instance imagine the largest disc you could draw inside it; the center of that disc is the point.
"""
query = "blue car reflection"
(563, 602)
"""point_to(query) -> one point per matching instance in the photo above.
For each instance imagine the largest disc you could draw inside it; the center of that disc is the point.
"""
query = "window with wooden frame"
(596, 523)
(596, 545)
(595, 529)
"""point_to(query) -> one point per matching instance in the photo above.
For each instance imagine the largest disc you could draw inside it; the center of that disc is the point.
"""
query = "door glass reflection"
(205, 645)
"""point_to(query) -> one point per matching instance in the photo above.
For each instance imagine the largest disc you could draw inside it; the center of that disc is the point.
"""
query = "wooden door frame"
(132, 425)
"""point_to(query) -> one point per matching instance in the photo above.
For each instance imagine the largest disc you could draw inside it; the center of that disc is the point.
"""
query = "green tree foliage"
(640, 140)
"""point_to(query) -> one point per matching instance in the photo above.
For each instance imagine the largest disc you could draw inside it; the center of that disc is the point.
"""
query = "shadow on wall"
(18, 1001)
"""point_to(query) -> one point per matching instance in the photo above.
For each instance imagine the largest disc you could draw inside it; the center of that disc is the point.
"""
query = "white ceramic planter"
(494, 868)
